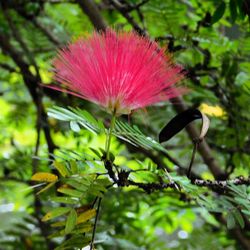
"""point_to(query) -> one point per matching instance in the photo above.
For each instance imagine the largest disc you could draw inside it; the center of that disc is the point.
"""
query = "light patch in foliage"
(5, 108)
(44, 177)
(25, 137)
(216, 110)
(46, 76)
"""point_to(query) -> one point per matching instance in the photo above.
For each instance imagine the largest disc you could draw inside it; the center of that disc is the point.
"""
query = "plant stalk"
(95, 224)
(109, 135)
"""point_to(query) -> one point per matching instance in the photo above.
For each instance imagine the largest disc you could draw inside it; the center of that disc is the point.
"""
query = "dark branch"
(91, 10)
(128, 16)
(7, 67)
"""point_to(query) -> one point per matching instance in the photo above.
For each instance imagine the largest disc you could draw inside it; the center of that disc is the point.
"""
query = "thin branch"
(7, 67)
(128, 16)
(95, 224)
(90, 9)
(215, 185)
(150, 187)
(240, 180)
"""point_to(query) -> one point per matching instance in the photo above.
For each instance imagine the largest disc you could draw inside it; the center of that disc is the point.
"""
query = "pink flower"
(118, 71)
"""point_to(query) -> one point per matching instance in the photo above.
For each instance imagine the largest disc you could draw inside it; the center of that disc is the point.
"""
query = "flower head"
(118, 71)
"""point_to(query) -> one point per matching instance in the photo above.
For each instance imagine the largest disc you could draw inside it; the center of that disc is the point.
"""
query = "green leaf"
(240, 190)
(241, 8)
(70, 192)
(76, 241)
(77, 185)
(247, 212)
(65, 200)
(135, 137)
(96, 152)
(82, 117)
(46, 187)
(84, 229)
(55, 213)
(219, 12)
(242, 201)
(104, 182)
(122, 130)
(71, 221)
(74, 126)
(62, 169)
(239, 218)
(98, 187)
(57, 115)
(87, 215)
(73, 167)
(230, 221)
(58, 224)
(44, 177)
(87, 116)
(233, 10)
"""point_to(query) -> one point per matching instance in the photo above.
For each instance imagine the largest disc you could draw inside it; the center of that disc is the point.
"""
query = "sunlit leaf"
(61, 168)
(86, 216)
(74, 126)
(58, 224)
(73, 167)
(44, 177)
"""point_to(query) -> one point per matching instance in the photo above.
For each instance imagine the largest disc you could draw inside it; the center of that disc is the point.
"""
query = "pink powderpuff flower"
(118, 71)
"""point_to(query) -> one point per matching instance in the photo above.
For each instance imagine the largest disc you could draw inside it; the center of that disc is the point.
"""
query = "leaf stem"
(109, 135)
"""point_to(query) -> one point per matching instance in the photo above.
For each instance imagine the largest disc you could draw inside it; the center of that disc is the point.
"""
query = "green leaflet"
(219, 12)
(71, 221)
(70, 192)
(77, 116)
(62, 169)
(55, 213)
(85, 216)
(65, 200)
(122, 130)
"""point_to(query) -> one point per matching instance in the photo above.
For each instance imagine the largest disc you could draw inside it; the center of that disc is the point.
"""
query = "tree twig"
(91, 10)
(95, 224)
